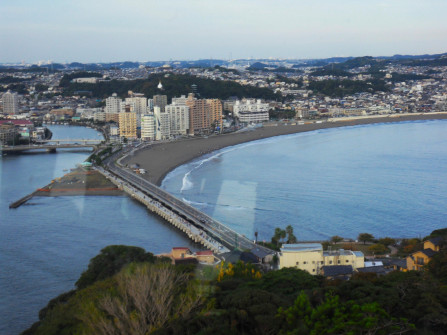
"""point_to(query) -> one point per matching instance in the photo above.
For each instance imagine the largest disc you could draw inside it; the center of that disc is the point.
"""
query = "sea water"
(385, 179)
(47, 243)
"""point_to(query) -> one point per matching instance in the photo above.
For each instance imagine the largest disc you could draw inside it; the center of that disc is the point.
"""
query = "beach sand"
(161, 158)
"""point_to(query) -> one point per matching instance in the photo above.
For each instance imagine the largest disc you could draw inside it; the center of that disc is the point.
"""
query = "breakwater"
(194, 233)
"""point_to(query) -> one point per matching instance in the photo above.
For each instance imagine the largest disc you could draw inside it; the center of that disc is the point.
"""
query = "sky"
(150, 30)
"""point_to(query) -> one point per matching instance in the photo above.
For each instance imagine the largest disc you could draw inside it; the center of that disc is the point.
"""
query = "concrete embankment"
(194, 233)
(21, 201)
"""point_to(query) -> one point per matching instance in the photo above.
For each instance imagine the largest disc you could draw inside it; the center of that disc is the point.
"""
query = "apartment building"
(148, 127)
(10, 103)
(128, 124)
(179, 118)
(160, 101)
(113, 104)
(310, 257)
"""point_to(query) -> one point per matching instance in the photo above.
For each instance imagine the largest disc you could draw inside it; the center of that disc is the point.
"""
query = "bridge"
(51, 145)
(212, 227)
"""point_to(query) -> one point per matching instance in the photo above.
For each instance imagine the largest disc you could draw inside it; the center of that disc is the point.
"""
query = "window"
(304, 262)
(330, 262)
(347, 261)
(313, 262)
(297, 263)
(338, 261)
(313, 270)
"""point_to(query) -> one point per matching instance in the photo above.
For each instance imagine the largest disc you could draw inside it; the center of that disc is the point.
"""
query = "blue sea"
(47, 243)
(385, 179)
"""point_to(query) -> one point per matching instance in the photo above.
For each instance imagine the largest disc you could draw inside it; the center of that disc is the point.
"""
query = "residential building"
(417, 260)
(215, 109)
(251, 111)
(148, 127)
(10, 103)
(160, 101)
(180, 101)
(8, 133)
(179, 118)
(128, 124)
(113, 104)
(162, 124)
(138, 105)
(204, 114)
(311, 257)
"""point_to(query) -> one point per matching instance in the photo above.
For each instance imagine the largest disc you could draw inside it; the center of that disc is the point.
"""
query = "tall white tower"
(10, 103)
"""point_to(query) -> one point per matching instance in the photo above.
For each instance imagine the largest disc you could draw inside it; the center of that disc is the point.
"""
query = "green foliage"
(328, 71)
(386, 241)
(281, 114)
(365, 237)
(287, 282)
(333, 317)
(378, 248)
(110, 261)
(439, 232)
(335, 239)
(11, 79)
(173, 85)
(341, 88)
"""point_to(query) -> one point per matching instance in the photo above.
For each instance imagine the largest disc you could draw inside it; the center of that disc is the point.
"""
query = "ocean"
(47, 243)
(385, 179)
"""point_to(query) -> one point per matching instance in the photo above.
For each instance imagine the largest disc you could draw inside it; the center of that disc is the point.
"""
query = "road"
(217, 230)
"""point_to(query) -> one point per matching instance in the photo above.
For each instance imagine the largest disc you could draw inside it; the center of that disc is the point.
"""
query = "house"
(343, 272)
(434, 243)
(205, 256)
(417, 260)
(262, 254)
(181, 253)
(395, 264)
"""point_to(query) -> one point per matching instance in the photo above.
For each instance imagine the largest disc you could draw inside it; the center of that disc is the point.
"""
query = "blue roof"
(301, 247)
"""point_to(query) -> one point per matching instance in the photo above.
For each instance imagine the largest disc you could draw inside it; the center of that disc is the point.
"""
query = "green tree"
(335, 239)
(365, 237)
(378, 248)
(110, 261)
(334, 317)
(291, 238)
(386, 241)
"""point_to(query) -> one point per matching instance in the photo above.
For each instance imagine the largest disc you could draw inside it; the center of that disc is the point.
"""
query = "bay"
(385, 179)
(47, 243)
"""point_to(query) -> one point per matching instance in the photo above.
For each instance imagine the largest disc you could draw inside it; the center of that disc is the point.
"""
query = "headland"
(161, 158)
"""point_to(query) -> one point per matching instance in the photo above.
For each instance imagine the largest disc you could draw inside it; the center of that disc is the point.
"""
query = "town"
(259, 92)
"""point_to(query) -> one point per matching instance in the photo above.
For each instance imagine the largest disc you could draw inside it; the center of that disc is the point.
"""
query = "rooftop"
(301, 247)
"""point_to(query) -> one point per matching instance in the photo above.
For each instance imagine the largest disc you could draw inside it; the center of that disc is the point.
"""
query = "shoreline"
(161, 158)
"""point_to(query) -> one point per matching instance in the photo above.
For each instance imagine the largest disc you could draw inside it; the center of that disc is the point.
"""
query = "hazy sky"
(142, 30)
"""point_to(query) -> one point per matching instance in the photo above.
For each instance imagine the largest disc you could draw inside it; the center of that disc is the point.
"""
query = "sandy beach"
(161, 158)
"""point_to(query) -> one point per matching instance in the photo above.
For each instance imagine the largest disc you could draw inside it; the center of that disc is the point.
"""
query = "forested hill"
(126, 290)
(174, 85)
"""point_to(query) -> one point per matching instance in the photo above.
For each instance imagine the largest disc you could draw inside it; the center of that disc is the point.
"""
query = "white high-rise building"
(148, 127)
(10, 103)
(251, 111)
(180, 101)
(162, 124)
(113, 104)
(139, 103)
(179, 118)
(139, 106)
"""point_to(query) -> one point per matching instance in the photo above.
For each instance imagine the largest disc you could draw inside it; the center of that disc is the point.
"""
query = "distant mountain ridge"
(253, 64)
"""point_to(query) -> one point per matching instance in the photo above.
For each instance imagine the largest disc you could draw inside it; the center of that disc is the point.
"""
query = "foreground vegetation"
(126, 290)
